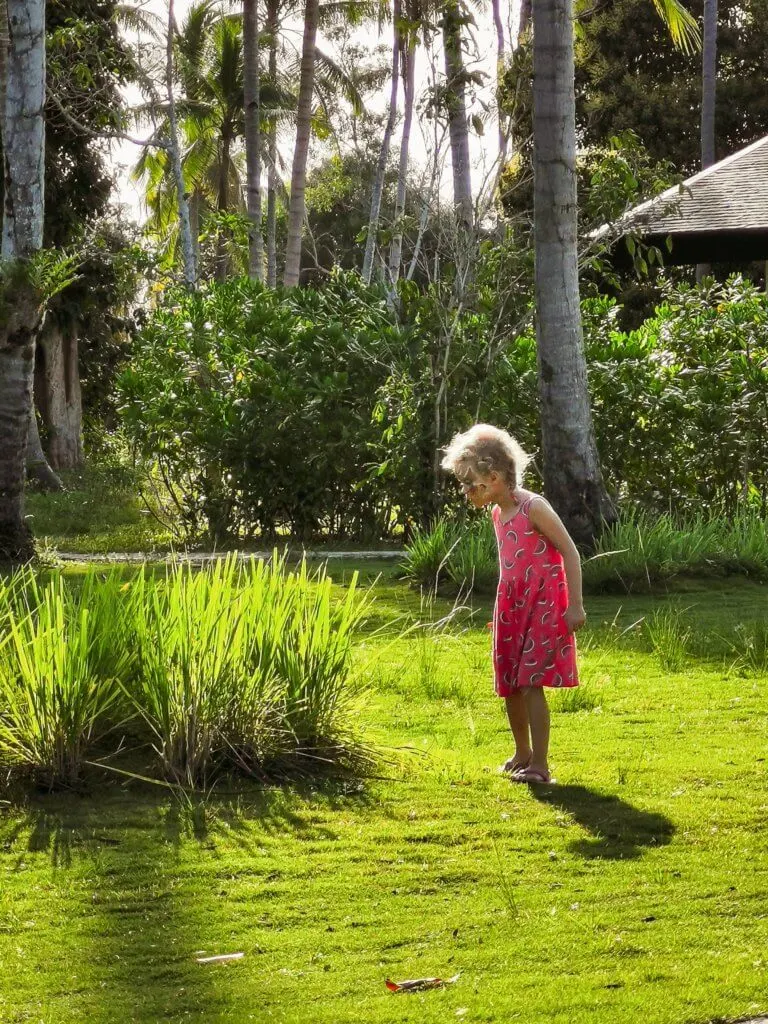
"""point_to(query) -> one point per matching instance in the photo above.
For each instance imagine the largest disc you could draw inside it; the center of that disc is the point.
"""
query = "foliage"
(313, 412)
(680, 406)
(256, 405)
(630, 76)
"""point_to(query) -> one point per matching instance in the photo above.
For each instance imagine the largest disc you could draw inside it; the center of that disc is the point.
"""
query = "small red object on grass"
(420, 984)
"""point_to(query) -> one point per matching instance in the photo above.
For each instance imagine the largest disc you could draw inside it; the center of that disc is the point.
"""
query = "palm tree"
(252, 100)
(408, 42)
(297, 206)
(453, 20)
(381, 167)
(708, 93)
(24, 151)
(208, 61)
(571, 469)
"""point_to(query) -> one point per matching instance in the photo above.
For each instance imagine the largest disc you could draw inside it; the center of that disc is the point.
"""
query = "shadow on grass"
(618, 831)
(152, 882)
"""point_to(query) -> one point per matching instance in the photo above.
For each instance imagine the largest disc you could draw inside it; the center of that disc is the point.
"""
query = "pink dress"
(531, 645)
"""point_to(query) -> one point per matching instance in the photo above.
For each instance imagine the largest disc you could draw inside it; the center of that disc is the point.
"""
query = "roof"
(727, 202)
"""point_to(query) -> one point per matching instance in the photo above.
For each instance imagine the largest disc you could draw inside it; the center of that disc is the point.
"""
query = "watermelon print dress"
(531, 645)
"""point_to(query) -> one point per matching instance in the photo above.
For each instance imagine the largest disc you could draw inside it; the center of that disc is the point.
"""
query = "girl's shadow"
(618, 830)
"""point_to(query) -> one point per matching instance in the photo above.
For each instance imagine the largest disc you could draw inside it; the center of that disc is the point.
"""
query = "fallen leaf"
(419, 984)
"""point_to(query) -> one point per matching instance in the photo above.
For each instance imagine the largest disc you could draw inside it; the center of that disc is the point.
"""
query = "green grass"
(633, 890)
(100, 512)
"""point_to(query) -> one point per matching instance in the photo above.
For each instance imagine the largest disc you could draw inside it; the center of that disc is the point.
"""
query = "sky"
(483, 149)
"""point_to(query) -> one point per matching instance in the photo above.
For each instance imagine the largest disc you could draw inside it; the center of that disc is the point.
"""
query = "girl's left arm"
(549, 524)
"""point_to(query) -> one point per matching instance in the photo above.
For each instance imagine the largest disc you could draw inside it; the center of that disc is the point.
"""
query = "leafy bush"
(257, 406)
(313, 412)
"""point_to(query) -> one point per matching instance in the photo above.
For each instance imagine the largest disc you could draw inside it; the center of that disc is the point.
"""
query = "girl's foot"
(516, 764)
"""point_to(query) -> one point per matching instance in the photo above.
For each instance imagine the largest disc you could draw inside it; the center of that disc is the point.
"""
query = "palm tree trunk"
(457, 111)
(252, 97)
(174, 152)
(22, 237)
(499, 26)
(222, 257)
(296, 207)
(381, 166)
(273, 11)
(572, 478)
(409, 75)
(708, 93)
(37, 466)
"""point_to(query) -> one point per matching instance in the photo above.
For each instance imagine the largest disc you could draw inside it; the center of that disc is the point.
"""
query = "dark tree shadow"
(618, 831)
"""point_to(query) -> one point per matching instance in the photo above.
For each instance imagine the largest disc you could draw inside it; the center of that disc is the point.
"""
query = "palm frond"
(331, 75)
(683, 27)
(138, 20)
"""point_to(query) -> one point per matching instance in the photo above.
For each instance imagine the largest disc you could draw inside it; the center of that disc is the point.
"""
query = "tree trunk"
(296, 207)
(252, 96)
(572, 478)
(455, 88)
(409, 73)
(381, 166)
(708, 94)
(58, 394)
(174, 151)
(273, 11)
(24, 158)
(499, 26)
(222, 256)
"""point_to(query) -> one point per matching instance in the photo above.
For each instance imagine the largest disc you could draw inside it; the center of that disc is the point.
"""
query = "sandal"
(510, 768)
(533, 775)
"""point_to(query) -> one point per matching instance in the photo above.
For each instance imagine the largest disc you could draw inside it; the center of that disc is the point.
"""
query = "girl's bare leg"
(517, 713)
(538, 716)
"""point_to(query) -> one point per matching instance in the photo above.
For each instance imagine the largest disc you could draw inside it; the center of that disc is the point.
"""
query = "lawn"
(634, 889)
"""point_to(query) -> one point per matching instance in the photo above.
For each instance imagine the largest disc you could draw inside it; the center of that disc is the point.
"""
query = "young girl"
(538, 603)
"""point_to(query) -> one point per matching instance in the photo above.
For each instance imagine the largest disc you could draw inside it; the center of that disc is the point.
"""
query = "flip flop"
(512, 770)
(534, 776)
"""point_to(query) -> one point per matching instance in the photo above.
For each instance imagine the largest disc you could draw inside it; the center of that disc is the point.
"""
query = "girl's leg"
(517, 713)
(538, 716)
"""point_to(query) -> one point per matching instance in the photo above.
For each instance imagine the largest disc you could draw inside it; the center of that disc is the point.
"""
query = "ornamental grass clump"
(60, 677)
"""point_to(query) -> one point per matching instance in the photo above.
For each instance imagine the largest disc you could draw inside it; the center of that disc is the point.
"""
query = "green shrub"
(257, 407)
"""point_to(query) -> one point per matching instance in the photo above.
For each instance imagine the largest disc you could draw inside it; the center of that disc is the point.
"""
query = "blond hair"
(485, 449)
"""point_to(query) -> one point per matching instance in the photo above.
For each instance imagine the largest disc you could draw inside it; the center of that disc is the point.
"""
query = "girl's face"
(482, 490)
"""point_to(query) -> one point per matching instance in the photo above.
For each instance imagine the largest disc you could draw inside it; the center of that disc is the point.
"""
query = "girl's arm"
(549, 524)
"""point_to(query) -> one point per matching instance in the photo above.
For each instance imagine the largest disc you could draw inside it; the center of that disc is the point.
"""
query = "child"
(538, 603)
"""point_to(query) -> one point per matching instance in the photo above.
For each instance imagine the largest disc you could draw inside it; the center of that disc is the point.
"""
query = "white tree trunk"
(708, 95)
(500, 50)
(23, 126)
(273, 13)
(455, 88)
(409, 80)
(174, 149)
(252, 97)
(381, 166)
(572, 478)
(296, 207)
